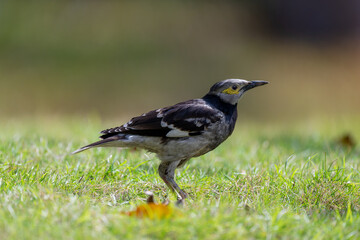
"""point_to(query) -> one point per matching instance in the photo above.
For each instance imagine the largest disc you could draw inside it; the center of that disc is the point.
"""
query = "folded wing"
(181, 120)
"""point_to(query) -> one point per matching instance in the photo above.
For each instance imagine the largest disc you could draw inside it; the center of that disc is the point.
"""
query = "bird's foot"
(182, 194)
(180, 202)
(181, 198)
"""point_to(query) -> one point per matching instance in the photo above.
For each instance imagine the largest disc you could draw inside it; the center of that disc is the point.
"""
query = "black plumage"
(191, 117)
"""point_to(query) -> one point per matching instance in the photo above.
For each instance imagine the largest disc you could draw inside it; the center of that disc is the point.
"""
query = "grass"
(265, 182)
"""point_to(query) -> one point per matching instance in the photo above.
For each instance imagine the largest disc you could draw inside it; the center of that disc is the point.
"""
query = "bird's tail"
(107, 142)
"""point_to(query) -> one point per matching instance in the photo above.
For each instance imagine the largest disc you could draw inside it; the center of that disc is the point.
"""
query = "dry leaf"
(346, 141)
(152, 210)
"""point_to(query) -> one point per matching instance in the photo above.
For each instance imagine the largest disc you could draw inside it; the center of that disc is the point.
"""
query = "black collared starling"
(182, 131)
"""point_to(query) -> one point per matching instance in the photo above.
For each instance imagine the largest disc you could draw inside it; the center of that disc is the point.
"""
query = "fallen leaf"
(152, 210)
(346, 141)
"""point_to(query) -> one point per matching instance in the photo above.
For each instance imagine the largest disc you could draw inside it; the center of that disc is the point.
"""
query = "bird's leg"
(167, 172)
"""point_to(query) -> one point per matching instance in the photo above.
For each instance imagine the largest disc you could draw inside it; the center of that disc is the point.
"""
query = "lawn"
(267, 181)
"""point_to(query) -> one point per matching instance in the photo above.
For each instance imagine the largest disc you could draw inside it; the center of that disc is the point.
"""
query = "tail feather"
(102, 143)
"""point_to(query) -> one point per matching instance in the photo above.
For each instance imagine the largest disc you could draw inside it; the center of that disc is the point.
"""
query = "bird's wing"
(181, 120)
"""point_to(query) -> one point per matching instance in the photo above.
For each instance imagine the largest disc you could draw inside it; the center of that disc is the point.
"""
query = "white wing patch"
(159, 113)
(198, 121)
(177, 133)
(174, 132)
(163, 124)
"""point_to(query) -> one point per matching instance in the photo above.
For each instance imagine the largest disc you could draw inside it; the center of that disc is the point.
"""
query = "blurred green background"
(118, 58)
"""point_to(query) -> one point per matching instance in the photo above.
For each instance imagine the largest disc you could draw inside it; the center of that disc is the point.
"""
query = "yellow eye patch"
(231, 91)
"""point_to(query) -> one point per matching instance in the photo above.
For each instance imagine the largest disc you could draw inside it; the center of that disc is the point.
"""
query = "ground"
(267, 181)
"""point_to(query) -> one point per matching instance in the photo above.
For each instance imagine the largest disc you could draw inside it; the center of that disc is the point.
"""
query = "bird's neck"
(228, 109)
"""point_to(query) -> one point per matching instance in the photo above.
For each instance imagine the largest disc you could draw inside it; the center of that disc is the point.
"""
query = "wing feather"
(181, 120)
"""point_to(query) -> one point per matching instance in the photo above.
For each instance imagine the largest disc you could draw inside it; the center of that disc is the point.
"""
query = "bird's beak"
(253, 84)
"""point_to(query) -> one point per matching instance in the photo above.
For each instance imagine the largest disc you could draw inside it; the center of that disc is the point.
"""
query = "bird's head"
(231, 90)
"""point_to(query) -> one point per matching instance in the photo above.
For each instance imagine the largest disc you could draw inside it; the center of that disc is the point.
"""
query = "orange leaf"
(152, 211)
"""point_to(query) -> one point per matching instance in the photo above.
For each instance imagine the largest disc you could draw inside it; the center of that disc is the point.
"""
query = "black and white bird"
(182, 131)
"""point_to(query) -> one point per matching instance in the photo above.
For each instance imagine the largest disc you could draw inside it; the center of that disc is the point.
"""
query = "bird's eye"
(234, 87)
